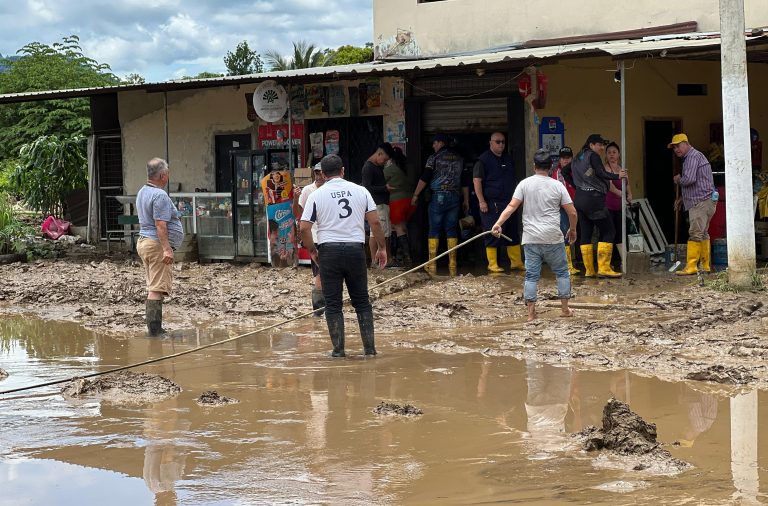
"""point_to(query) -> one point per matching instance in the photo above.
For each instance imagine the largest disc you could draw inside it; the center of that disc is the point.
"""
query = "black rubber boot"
(336, 330)
(318, 302)
(404, 249)
(365, 321)
(154, 315)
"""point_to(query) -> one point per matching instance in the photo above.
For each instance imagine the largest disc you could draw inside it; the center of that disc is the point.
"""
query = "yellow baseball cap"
(677, 139)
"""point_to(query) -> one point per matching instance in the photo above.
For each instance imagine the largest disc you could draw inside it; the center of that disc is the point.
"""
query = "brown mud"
(657, 324)
(212, 398)
(3, 374)
(630, 438)
(123, 387)
(393, 409)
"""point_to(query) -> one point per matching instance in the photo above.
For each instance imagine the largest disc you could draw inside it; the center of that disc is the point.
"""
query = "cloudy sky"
(166, 39)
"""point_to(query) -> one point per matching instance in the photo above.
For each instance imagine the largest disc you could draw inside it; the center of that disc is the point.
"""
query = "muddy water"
(493, 429)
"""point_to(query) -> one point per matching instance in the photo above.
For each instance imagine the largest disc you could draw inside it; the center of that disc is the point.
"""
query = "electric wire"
(234, 338)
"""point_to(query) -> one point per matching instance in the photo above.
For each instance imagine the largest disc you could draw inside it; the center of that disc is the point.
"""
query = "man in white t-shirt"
(301, 196)
(541, 198)
(339, 209)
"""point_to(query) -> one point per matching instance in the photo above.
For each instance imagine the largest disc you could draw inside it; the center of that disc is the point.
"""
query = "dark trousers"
(509, 228)
(592, 213)
(344, 263)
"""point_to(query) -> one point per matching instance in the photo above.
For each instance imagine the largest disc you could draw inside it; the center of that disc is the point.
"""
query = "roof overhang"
(692, 45)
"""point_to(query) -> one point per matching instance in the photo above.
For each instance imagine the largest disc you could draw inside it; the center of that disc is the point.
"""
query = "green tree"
(305, 55)
(133, 79)
(203, 75)
(41, 67)
(243, 61)
(346, 55)
(49, 169)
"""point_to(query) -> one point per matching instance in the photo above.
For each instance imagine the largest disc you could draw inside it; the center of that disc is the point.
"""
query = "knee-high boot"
(452, 266)
(588, 256)
(604, 250)
(336, 330)
(571, 269)
(515, 255)
(365, 322)
(491, 252)
(431, 267)
(705, 255)
(318, 302)
(154, 315)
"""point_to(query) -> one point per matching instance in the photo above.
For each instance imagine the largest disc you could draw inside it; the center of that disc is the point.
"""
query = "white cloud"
(163, 39)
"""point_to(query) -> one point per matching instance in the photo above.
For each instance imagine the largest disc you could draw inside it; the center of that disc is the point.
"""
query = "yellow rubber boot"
(705, 256)
(588, 256)
(493, 263)
(515, 255)
(692, 263)
(571, 269)
(431, 267)
(604, 251)
(452, 242)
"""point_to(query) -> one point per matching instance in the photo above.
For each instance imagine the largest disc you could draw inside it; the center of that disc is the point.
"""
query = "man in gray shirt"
(541, 198)
(160, 234)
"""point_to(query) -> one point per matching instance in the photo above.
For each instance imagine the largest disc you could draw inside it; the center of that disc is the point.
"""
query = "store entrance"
(660, 166)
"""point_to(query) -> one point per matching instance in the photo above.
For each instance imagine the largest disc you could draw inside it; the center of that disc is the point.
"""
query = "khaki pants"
(159, 278)
(699, 217)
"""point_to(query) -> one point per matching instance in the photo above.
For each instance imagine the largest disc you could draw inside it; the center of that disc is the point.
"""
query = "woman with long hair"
(591, 180)
(400, 208)
(613, 197)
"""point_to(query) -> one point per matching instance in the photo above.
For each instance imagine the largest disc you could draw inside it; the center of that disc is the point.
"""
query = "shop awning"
(690, 45)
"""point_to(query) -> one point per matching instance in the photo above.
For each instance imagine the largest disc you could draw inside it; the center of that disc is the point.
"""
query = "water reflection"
(494, 429)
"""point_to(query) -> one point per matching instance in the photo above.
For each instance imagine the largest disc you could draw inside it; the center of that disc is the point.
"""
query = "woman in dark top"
(591, 180)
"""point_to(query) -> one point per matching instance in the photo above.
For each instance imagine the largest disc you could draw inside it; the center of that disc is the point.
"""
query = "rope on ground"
(228, 340)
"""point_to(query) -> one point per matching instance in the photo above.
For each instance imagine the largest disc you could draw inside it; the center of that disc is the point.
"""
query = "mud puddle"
(305, 430)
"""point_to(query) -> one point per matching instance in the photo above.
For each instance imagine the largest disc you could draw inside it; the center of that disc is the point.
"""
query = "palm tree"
(305, 55)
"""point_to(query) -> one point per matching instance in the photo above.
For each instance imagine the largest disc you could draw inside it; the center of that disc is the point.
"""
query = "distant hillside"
(3, 59)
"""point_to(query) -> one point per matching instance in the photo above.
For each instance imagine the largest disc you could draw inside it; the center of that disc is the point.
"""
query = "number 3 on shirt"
(344, 204)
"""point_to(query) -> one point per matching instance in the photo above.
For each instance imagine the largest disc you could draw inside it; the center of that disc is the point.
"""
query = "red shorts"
(400, 210)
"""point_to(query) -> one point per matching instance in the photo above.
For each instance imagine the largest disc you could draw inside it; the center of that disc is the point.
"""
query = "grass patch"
(719, 282)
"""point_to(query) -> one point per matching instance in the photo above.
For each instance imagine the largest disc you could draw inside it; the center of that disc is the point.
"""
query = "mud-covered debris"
(724, 375)
(123, 386)
(625, 433)
(451, 308)
(3, 373)
(212, 398)
(390, 408)
(747, 308)
(85, 310)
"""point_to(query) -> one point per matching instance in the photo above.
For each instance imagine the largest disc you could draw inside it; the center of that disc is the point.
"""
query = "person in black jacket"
(587, 173)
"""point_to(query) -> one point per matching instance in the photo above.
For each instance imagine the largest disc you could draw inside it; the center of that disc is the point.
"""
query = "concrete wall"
(594, 105)
(196, 117)
(411, 28)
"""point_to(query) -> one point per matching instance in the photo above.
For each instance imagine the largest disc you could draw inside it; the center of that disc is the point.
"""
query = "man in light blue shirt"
(160, 234)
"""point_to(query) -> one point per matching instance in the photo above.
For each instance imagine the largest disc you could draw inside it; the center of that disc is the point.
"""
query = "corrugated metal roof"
(684, 42)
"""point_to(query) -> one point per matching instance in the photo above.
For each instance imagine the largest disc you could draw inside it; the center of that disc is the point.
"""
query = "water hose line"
(235, 338)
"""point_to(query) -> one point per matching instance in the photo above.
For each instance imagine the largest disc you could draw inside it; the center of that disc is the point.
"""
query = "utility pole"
(739, 214)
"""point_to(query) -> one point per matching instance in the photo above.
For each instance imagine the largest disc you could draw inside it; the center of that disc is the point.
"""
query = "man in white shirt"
(339, 209)
(541, 198)
(318, 301)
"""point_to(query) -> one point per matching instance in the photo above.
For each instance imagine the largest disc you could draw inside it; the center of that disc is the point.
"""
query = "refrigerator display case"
(214, 226)
(251, 234)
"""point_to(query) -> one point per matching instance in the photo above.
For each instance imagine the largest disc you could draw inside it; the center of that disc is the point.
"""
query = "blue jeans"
(344, 263)
(565, 224)
(554, 256)
(443, 214)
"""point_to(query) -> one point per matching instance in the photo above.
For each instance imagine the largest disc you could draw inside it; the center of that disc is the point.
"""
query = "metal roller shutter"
(472, 115)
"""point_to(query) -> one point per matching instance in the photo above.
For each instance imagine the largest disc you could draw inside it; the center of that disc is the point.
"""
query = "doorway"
(225, 144)
(660, 166)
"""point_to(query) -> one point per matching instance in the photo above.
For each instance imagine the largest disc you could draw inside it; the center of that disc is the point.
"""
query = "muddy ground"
(656, 324)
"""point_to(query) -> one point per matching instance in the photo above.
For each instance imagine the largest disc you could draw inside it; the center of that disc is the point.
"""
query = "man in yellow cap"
(699, 198)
